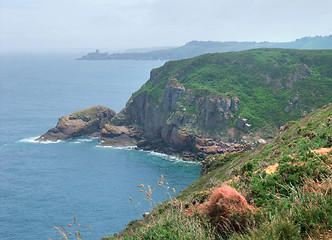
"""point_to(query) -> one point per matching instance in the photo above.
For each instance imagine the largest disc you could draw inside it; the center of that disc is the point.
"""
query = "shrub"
(227, 210)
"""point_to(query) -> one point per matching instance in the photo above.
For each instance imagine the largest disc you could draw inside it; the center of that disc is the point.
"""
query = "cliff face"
(171, 124)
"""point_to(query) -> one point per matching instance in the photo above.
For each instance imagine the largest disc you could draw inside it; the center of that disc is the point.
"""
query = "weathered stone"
(169, 119)
(211, 150)
(80, 123)
(113, 131)
(119, 141)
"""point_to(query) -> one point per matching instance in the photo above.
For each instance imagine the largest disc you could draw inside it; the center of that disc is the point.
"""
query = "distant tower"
(97, 51)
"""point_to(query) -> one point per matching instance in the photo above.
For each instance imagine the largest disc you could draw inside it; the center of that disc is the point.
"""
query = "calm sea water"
(42, 185)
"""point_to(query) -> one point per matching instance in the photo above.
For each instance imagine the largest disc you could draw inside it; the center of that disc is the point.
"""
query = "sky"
(112, 25)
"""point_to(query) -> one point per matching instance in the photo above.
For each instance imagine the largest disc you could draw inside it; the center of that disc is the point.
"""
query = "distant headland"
(195, 48)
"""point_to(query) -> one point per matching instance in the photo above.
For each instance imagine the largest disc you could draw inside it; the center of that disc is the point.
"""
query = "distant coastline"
(195, 48)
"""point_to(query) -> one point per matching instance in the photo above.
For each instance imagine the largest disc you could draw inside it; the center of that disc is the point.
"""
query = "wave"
(33, 140)
(83, 140)
(119, 147)
(157, 154)
(169, 157)
(162, 155)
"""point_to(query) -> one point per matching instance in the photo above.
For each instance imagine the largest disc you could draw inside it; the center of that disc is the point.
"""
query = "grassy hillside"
(286, 184)
(273, 85)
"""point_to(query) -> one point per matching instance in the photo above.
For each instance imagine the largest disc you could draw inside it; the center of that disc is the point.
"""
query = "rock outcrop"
(119, 136)
(89, 122)
(180, 121)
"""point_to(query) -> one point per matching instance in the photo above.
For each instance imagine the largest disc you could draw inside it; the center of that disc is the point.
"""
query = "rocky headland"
(210, 104)
(87, 122)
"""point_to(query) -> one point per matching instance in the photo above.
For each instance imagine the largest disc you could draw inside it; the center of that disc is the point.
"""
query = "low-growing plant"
(71, 230)
(305, 213)
(227, 210)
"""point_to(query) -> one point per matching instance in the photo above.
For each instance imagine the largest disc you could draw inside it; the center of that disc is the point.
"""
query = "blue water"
(42, 185)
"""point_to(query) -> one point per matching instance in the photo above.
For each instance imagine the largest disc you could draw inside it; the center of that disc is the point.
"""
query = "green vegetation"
(89, 113)
(274, 85)
(287, 182)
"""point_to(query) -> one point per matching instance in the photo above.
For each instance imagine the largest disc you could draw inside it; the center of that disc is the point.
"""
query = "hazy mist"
(82, 25)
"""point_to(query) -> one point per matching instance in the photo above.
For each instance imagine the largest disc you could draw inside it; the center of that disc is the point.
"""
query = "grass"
(288, 185)
(72, 231)
(171, 220)
(280, 190)
(274, 85)
(90, 113)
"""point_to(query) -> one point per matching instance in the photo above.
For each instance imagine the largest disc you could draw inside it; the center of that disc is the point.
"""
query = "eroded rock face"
(177, 118)
(112, 135)
(176, 123)
(85, 122)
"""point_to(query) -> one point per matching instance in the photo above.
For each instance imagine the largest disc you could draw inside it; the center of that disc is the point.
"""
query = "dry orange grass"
(323, 151)
(272, 169)
(227, 209)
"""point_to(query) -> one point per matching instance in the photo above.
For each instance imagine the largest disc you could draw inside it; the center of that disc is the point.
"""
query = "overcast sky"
(69, 25)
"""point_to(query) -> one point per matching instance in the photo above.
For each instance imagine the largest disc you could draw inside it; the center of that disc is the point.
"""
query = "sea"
(73, 185)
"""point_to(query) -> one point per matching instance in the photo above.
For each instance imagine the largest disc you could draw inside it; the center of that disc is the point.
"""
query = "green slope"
(292, 202)
(274, 85)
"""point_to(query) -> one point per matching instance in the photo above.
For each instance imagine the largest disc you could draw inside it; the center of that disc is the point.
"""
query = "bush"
(227, 210)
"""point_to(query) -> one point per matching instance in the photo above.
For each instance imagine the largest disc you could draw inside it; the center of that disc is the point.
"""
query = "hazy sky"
(66, 25)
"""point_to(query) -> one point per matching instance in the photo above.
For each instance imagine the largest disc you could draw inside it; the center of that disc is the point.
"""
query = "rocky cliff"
(214, 103)
(181, 120)
(89, 121)
(218, 103)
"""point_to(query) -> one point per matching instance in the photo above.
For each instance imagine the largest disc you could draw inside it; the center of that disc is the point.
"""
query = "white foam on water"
(33, 140)
(169, 157)
(119, 147)
(157, 154)
(83, 140)
(86, 139)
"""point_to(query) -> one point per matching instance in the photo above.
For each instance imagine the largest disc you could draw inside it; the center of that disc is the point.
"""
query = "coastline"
(79, 140)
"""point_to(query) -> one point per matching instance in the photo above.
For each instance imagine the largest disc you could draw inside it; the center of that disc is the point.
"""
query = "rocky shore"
(100, 122)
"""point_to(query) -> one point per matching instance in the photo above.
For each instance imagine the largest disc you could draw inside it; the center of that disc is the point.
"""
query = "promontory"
(213, 103)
